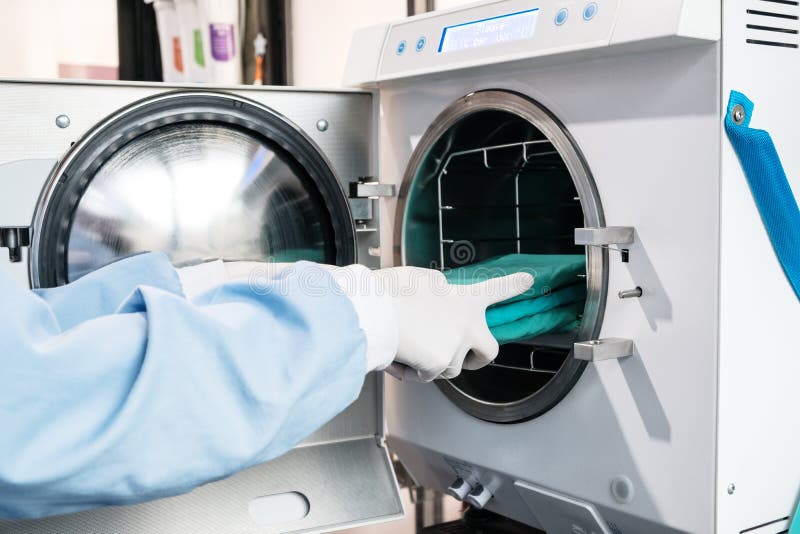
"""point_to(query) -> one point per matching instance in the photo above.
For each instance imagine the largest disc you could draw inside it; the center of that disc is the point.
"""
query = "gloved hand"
(442, 327)
(410, 315)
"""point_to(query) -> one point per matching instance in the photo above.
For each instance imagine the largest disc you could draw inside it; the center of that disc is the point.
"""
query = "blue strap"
(768, 183)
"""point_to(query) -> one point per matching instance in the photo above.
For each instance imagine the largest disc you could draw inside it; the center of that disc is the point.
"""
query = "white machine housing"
(693, 433)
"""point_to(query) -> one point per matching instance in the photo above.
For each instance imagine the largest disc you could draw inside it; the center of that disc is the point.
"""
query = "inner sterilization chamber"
(497, 174)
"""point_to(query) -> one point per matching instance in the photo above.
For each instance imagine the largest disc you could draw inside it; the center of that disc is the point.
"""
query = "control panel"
(494, 32)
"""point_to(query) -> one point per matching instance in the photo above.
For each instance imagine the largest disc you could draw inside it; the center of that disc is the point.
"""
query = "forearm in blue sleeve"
(166, 394)
(103, 291)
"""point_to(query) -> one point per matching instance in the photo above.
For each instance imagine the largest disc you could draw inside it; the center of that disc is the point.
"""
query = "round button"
(561, 16)
(401, 47)
(622, 489)
(420, 44)
(589, 11)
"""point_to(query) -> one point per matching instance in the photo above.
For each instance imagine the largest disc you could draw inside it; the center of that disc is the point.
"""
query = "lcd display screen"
(490, 31)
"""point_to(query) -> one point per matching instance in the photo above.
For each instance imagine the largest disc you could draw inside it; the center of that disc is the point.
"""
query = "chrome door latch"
(605, 236)
(14, 238)
(368, 187)
(598, 350)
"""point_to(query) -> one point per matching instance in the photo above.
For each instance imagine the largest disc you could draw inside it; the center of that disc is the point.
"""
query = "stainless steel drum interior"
(197, 191)
(497, 174)
(190, 180)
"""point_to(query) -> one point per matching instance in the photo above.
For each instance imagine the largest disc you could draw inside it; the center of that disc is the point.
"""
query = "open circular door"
(496, 175)
(197, 175)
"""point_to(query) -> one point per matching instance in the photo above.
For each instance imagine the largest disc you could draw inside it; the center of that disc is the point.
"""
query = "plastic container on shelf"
(192, 36)
(169, 36)
(222, 40)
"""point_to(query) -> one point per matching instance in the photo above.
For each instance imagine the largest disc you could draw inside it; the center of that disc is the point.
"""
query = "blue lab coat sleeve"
(103, 291)
(155, 395)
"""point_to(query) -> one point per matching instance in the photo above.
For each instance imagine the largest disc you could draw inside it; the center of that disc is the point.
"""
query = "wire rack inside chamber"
(505, 199)
(510, 165)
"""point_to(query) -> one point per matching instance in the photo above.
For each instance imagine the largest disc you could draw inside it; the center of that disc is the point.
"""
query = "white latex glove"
(442, 327)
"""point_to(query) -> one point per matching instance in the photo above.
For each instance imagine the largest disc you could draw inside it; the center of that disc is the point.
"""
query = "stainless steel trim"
(371, 190)
(186, 86)
(346, 483)
(596, 258)
(609, 235)
(598, 350)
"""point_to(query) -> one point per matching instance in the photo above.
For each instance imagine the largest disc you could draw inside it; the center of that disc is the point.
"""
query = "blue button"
(589, 11)
(401, 47)
(420, 44)
(561, 16)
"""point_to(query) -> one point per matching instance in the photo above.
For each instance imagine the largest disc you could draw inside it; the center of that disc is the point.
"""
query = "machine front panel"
(493, 32)
(650, 417)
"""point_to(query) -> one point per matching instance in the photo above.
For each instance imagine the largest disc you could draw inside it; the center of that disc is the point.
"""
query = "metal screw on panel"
(322, 125)
(738, 114)
(62, 121)
(731, 488)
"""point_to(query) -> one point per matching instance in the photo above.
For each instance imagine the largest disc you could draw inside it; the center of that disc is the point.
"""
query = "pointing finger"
(503, 288)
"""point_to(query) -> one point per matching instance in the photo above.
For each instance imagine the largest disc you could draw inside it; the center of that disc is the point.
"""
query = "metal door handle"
(14, 238)
(363, 189)
(605, 236)
(608, 235)
(598, 350)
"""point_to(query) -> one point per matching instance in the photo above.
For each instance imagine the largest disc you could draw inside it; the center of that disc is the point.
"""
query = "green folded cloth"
(292, 255)
(550, 271)
(555, 321)
(552, 305)
(508, 312)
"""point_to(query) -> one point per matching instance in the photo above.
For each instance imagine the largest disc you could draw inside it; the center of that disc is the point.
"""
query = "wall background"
(36, 36)
(321, 31)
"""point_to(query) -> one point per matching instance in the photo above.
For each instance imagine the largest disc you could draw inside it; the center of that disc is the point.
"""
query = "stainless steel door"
(237, 174)
(197, 175)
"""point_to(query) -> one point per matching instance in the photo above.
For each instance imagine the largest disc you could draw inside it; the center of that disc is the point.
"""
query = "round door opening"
(497, 185)
(195, 175)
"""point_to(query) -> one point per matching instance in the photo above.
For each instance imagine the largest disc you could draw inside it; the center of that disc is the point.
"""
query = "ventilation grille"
(774, 23)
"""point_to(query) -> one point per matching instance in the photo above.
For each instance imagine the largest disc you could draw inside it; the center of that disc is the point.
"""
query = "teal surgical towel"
(552, 305)
(298, 254)
(508, 312)
(550, 271)
(557, 320)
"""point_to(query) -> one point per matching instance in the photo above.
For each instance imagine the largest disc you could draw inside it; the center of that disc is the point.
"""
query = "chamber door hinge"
(14, 238)
(605, 236)
(368, 187)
